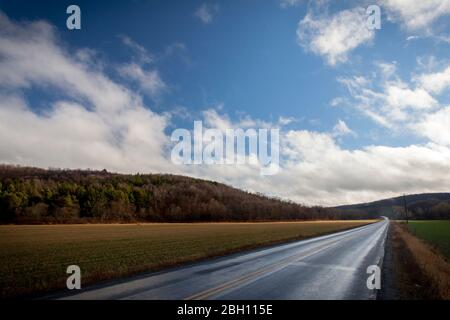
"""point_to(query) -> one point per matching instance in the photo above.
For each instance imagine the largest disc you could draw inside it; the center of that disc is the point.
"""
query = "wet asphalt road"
(327, 267)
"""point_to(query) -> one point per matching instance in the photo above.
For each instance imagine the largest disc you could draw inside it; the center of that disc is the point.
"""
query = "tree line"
(427, 206)
(33, 195)
(426, 210)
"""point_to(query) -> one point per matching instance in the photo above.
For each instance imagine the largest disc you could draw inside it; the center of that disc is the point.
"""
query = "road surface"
(327, 267)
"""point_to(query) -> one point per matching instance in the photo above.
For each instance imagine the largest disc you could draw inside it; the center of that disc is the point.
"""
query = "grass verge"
(35, 257)
(434, 232)
(421, 272)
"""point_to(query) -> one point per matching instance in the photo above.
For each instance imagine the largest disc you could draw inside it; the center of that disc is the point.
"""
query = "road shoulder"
(412, 269)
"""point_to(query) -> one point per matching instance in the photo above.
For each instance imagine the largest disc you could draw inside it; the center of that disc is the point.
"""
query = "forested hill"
(419, 206)
(32, 195)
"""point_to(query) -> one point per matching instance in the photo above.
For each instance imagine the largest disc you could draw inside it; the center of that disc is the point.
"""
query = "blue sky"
(368, 98)
(247, 58)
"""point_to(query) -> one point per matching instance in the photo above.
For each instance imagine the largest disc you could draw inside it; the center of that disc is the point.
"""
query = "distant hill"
(419, 206)
(33, 195)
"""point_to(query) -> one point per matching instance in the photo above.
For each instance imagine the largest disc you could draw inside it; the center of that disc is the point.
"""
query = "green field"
(34, 258)
(435, 232)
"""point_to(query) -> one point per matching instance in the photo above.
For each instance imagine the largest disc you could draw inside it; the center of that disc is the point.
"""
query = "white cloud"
(97, 124)
(318, 171)
(388, 70)
(138, 71)
(206, 12)
(141, 53)
(334, 37)
(337, 101)
(435, 82)
(149, 81)
(410, 38)
(416, 15)
(412, 107)
(399, 97)
(213, 119)
(388, 100)
(322, 172)
(283, 121)
(341, 129)
(435, 126)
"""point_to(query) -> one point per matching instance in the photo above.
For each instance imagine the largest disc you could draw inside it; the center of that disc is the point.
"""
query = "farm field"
(435, 232)
(35, 257)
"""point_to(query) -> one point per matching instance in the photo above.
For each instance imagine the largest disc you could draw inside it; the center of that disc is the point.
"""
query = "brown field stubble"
(35, 257)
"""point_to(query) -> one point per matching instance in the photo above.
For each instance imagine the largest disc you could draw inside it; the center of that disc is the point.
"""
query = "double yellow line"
(253, 275)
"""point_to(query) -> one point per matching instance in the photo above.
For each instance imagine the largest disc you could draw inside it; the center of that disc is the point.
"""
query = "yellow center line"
(283, 263)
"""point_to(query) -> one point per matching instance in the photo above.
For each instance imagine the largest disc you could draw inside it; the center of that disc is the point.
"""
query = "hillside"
(420, 206)
(32, 195)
